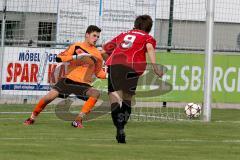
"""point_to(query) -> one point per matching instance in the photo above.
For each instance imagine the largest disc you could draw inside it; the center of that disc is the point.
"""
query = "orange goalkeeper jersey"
(83, 70)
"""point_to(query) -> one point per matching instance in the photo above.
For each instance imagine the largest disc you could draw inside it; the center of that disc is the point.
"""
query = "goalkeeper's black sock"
(115, 111)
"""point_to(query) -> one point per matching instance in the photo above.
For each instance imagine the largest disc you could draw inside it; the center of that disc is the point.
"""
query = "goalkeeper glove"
(79, 56)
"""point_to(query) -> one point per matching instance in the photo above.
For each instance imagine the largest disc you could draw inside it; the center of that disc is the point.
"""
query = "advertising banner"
(186, 74)
(27, 71)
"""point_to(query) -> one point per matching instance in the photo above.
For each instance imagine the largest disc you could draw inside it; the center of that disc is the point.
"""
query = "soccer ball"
(193, 110)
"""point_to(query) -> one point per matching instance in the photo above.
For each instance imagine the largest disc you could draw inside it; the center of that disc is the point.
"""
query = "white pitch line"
(46, 112)
(41, 138)
(22, 112)
(108, 139)
(5, 118)
(227, 121)
(134, 115)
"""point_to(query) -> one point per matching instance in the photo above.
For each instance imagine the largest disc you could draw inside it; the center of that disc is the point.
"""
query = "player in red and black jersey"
(126, 61)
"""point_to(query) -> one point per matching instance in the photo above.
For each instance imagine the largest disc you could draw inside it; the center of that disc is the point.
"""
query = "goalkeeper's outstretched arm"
(69, 55)
(98, 69)
(66, 55)
(104, 55)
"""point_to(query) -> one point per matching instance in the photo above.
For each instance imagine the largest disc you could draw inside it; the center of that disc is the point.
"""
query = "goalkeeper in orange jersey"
(85, 61)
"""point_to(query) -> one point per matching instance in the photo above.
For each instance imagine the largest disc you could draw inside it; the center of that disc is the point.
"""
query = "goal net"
(35, 31)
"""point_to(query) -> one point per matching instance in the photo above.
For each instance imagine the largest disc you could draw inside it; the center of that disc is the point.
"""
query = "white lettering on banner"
(217, 76)
(196, 77)
(175, 87)
(167, 77)
(226, 79)
(185, 78)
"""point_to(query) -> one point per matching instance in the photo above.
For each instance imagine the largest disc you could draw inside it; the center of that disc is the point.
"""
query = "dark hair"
(93, 28)
(144, 23)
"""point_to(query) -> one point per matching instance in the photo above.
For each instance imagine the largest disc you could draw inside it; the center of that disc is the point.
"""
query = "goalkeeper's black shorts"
(66, 86)
(122, 78)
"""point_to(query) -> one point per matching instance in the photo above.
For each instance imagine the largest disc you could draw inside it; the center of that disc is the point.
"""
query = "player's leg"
(60, 89)
(114, 93)
(128, 92)
(126, 107)
(116, 81)
(115, 96)
(118, 116)
(116, 102)
(52, 94)
(121, 110)
(93, 95)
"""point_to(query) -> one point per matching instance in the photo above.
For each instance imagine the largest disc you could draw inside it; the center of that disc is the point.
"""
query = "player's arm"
(66, 55)
(104, 54)
(99, 71)
(152, 56)
(109, 47)
(70, 54)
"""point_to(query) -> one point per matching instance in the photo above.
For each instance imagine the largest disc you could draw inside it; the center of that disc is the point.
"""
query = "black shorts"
(122, 78)
(66, 86)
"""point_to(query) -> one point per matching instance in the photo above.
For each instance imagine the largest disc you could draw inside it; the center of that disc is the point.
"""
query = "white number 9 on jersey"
(128, 41)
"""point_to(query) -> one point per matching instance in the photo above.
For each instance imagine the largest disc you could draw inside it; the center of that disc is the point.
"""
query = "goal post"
(208, 61)
(4, 5)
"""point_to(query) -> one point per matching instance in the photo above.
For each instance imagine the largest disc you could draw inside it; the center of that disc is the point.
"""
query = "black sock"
(115, 110)
(126, 110)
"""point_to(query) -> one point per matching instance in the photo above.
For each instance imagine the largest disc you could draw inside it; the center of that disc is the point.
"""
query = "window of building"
(13, 32)
(46, 32)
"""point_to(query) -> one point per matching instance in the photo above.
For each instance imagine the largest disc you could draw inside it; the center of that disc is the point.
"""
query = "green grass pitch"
(54, 139)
